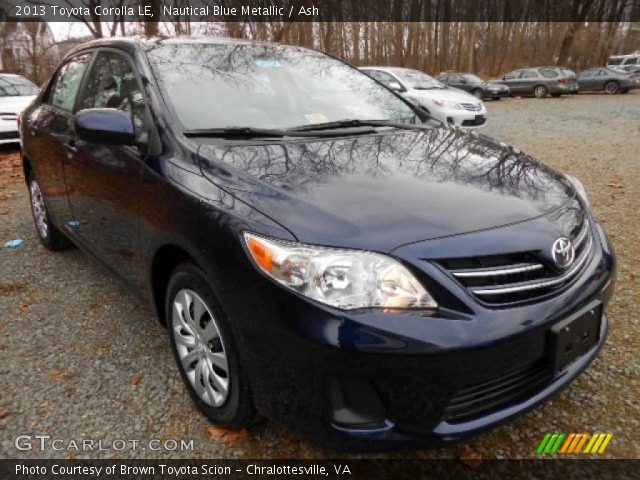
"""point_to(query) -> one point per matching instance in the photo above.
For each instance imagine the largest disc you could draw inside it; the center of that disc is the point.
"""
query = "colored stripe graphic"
(543, 443)
(574, 443)
(567, 443)
(605, 442)
(583, 439)
(594, 439)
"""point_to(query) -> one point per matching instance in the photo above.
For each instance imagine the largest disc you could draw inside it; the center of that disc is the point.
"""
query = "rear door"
(104, 180)
(587, 80)
(48, 134)
(512, 79)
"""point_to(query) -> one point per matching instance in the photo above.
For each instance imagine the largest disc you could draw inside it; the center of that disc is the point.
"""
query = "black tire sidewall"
(237, 410)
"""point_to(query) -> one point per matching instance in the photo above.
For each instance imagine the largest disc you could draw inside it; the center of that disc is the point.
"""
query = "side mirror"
(105, 125)
(395, 86)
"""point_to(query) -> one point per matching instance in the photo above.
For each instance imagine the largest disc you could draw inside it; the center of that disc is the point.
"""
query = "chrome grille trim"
(473, 107)
(536, 284)
(581, 235)
(488, 272)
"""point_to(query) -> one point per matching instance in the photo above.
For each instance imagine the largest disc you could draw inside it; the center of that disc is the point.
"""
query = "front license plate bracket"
(574, 336)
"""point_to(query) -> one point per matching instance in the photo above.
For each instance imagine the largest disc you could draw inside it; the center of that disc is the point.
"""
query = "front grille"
(481, 398)
(473, 107)
(9, 135)
(514, 277)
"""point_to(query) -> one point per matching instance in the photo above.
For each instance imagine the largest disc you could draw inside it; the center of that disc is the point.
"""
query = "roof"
(146, 42)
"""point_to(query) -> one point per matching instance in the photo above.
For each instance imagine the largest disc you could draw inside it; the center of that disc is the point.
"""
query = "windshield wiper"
(235, 132)
(356, 123)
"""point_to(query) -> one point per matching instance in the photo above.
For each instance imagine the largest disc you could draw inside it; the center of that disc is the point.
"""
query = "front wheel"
(50, 236)
(205, 350)
(540, 91)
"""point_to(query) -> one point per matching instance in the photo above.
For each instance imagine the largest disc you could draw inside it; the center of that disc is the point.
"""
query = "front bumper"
(466, 118)
(374, 380)
(9, 130)
(496, 93)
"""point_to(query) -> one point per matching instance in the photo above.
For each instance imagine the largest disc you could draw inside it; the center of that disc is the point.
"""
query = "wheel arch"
(164, 261)
(26, 168)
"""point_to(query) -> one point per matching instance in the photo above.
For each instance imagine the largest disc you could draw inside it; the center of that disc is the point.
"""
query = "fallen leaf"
(3, 413)
(470, 457)
(615, 185)
(232, 438)
(1, 326)
(23, 309)
(136, 380)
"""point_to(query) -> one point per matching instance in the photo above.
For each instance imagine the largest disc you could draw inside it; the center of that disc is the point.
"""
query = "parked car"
(620, 60)
(539, 82)
(475, 85)
(445, 104)
(604, 79)
(16, 93)
(633, 71)
(319, 249)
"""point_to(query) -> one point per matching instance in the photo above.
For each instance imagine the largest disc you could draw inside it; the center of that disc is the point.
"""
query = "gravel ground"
(80, 358)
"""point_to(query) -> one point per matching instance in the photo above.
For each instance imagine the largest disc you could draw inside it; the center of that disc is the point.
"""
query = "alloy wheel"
(39, 209)
(200, 347)
(540, 91)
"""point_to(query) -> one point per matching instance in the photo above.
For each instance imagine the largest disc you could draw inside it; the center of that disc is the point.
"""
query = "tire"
(50, 236)
(226, 397)
(540, 91)
(611, 87)
(495, 99)
(477, 92)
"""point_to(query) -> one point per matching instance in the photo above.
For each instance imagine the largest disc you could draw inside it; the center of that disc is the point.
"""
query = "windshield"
(268, 87)
(11, 86)
(616, 60)
(418, 80)
(470, 77)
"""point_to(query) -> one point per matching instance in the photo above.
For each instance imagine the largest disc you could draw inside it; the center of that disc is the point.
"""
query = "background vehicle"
(606, 79)
(620, 60)
(445, 104)
(16, 93)
(539, 82)
(475, 85)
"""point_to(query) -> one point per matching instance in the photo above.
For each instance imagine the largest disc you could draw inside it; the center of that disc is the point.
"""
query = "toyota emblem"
(562, 252)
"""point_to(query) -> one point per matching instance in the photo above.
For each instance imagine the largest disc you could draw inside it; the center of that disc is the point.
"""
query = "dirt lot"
(81, 359)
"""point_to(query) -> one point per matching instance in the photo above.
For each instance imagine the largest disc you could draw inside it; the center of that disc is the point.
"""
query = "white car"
(16, 93)
(446, 104)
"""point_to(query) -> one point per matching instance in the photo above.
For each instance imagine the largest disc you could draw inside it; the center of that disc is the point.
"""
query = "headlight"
(345, 279)
(580, 190)
(447, 104)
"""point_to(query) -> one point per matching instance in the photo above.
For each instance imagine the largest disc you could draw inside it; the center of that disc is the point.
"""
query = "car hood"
(381, 191)
(15, 104)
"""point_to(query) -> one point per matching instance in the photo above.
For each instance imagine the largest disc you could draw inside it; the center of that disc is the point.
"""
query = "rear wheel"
(205, 350)
(477, 92)
(611, 87)
(540, 91)
(50, 236)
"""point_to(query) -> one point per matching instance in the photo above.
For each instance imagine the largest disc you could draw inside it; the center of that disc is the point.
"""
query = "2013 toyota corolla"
(319, 250)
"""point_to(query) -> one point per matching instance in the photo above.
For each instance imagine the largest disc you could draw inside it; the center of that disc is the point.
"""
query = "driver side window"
(113, 84)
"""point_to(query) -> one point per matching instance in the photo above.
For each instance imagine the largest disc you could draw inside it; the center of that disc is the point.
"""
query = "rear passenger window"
(549, 73)
(529, 74)
(67, 83)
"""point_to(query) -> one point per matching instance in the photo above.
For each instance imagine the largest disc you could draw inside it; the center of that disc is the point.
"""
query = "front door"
(104, 180)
